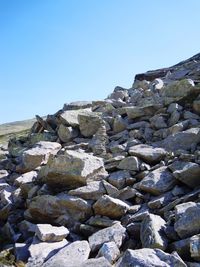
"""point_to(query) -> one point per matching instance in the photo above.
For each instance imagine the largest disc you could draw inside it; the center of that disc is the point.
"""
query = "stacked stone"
(109, 183)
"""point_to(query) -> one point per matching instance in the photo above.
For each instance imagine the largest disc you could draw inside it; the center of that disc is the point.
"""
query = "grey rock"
(66, 133)
(137, 112)
(119, 124)
(47, 232)
(147, 257)
(114, 233)
(42, 251)
(152, 232)
(182, 140)
(71, 255)
(148, 153)
(186, 172)
(174, 107)
(25, 178)
(118, 178)
(73, 169)
(93, 190)
(89, 123)
(196, 105)
(103, 262)
(187, 219)
(189, 115)
(39, 154)
(130, 163)
(158, 181)
(111, 207)
(174, 118)
(110, 251)
(70, 117)
(158, 122)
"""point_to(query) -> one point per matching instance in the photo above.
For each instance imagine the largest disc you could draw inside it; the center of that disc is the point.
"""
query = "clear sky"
(58, 51)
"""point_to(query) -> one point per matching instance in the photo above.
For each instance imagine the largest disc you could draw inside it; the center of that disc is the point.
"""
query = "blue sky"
(58, 51)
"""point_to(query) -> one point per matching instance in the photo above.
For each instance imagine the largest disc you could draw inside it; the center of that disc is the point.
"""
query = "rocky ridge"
(109, 183)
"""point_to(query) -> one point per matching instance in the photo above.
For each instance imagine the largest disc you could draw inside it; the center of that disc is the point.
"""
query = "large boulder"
(71, 255)
(38, 154)
(134, 112)
(72, 169)
(47, 208)
(70, 117)
(47, 232)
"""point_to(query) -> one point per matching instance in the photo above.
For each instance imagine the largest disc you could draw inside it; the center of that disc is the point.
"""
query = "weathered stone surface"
(195, 247)
(89, 123)
(42, 251)
(48, 208)
(119, 124)
(187, 172)
(103, 262)
(181, 140)
(93, 190)
(130, 163)
(158, 181)
(111, 207)
(152, 232)
(187, 219)
(137, 112)
(110, 251)
(47, 232)
(147, 153)
(73, 169)
(71, 255)
(147, 257)
(114, 233)
(27, 177)
(70, 117)
(39, 154)
(119, 178)
(66, 133)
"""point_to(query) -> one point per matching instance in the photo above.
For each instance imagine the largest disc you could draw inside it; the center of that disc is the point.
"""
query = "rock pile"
(109, 183)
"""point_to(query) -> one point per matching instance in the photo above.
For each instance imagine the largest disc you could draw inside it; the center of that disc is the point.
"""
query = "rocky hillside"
(109, 183)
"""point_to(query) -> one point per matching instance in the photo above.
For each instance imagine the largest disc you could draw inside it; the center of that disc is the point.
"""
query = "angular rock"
(42, 251)
(93, 190)
(130, 163)
(71, 255)
(181, 140)
(186, 172)
(48, 208)
(137, 112)
(103, 262)
(89, 123)
(152, 233)
(66, 133)
(147, 257)
(25, 178)
(39, 154)
(148, 153)
(114, 233)
(47, 232)
(111, 207)
(158, 181)
(70, 117)
(187, 219)
(119, 124)
(119, 178)
(72, 169)
(110, 251)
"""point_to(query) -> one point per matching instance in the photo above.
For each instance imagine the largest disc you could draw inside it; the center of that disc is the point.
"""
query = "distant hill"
(17, 128)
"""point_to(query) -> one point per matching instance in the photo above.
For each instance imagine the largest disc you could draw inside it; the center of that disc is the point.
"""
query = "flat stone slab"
(47, 232)
(147, 153)
(71, 255)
